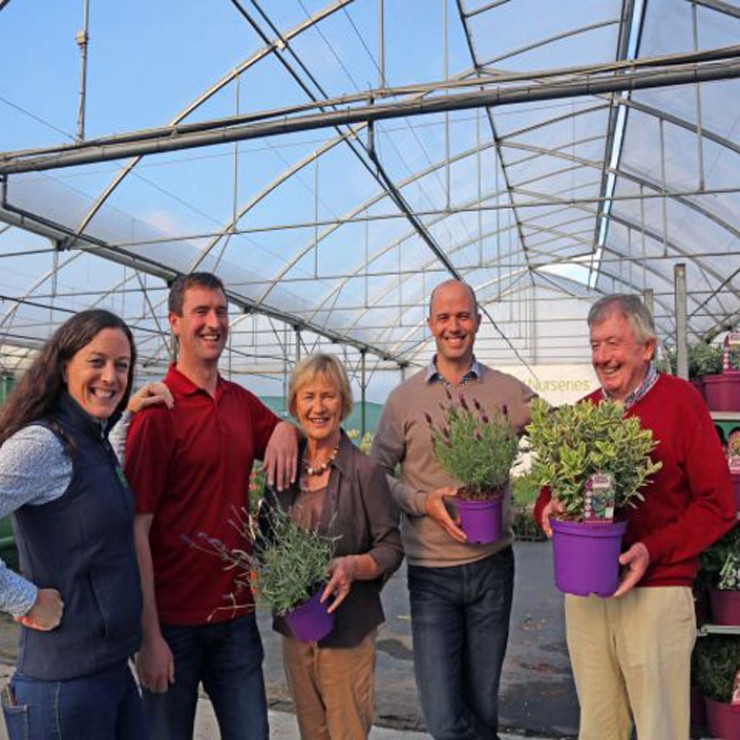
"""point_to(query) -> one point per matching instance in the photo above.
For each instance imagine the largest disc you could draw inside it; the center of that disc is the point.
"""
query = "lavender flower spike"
(504, 409)
(428, 418)
(464, 403)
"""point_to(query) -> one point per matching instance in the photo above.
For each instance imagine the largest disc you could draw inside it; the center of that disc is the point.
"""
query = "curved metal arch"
(378, 197)
(550, 40)
(638, 228)
(233, 74)
(284, 176)
(627, 176)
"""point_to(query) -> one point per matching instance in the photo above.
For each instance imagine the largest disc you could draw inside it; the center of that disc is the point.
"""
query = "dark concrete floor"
(537, 694)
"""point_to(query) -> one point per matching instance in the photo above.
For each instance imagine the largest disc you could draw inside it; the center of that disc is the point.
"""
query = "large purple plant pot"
(586, 556)
(723, 720)
(722, 391)
(736, 489)
(310, 621)
(480, 520)
(725, 607)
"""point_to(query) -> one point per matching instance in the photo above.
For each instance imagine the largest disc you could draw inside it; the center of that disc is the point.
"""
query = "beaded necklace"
(322, 467)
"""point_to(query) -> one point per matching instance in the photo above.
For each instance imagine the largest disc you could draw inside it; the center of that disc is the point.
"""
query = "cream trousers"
(631, 661)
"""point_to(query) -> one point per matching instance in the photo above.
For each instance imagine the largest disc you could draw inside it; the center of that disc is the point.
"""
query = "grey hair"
(629, 307)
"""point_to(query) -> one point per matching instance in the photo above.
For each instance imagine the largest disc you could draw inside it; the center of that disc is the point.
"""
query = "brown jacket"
(360, 508)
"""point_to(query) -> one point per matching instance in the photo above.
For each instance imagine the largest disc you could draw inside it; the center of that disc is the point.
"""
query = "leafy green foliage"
(715, 661)
(715, 558)
(474, 447)
(572, 443)
(524, 490)
(704, 359)
(290, 561)
(279, 561)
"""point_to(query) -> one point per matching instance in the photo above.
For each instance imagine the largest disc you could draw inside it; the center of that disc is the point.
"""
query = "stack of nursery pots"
(477, 448)
(717, 590)
(594, 462)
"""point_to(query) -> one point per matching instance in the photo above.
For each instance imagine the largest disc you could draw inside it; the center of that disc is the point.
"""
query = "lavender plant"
(476, 448)
(280, 561)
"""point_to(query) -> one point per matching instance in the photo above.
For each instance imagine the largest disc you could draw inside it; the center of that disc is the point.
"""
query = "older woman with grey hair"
(340, 491)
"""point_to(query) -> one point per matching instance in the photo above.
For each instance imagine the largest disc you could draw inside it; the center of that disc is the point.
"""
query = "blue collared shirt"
(433, 375)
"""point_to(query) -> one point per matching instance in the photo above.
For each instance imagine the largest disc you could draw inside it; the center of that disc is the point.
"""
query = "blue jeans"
(227, 658)
(460, 627)
(102, 705)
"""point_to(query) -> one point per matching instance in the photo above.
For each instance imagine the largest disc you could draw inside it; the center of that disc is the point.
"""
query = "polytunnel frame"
(498, 143)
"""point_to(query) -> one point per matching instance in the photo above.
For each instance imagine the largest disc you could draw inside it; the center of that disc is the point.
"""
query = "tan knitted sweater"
(403, 437)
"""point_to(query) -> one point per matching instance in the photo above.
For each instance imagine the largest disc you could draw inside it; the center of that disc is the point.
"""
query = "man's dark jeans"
(460, 626)
(227, 658)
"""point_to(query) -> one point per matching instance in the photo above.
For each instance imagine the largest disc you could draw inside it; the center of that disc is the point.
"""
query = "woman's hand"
(151, 394)
(46, 612)
(342, 572)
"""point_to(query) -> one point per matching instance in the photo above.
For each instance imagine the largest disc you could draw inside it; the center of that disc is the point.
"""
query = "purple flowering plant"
(476, 447)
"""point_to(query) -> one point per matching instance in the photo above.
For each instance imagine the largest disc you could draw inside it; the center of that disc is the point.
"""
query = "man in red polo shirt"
(189, 468)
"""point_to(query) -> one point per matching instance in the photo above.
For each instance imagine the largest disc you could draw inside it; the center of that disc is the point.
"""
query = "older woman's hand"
(342, 572)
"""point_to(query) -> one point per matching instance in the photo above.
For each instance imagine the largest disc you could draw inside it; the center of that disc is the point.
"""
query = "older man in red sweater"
(631, 653)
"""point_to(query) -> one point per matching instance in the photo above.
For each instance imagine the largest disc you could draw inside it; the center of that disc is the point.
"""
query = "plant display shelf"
(717, 629)
(727, 421)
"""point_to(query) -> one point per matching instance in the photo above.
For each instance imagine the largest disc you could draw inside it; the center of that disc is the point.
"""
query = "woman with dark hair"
(79, 599)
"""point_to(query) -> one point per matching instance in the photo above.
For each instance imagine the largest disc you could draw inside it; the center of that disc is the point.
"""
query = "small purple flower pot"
(310, 621)
(480, 520)
(725, 607)
(586, 556)
(723, 720)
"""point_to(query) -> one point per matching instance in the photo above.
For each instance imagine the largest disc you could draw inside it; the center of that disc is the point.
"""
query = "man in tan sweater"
(460, 593)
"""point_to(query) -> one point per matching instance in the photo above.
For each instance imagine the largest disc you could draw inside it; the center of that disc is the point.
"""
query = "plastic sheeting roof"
(539, 187)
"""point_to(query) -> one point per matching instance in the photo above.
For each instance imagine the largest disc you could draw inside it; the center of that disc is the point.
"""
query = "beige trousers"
(333, 688)
(631, 659)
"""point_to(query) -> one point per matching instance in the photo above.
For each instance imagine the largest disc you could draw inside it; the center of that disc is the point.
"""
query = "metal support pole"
(648, 298)
(82, 39)
(682, 348)
(362, 395)
(381, 45)
(297, 345)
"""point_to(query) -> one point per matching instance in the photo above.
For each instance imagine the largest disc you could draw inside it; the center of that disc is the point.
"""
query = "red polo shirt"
(190, 467)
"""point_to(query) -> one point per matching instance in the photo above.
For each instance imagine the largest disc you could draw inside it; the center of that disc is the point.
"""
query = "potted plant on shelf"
(477, 449)
(594, 460)
(704, 359)
(716, 665)
(719, 572)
